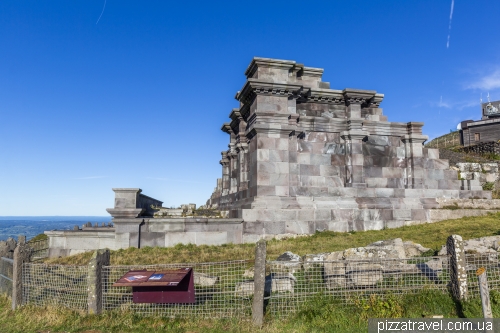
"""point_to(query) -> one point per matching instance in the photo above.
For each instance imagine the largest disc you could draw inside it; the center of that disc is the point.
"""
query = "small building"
(484, 133)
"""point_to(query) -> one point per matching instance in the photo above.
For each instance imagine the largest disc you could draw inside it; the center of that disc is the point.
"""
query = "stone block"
(322, 215)
(367, 192)
(152, 239)
(158, 225)
(338, 226)
(365, 275)
(263, 155)
(338, 160)
(431, 184)
(335, 282)
(376, 182)
(309, 170)
(263, 190)
(372, 150)
(384, 192)
(373, 225)
(392, 172)
(373, 172)
(274, 228)
(297, 227)
(402, 214)
(278, 179)
(435, 174)
(173, 238)
(278, 156)
(394, 224)
(303, 158)
(419, 215)
(205, 280)
(432, 153)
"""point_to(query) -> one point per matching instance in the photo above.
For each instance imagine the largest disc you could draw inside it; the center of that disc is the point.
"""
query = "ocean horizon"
(30, 226)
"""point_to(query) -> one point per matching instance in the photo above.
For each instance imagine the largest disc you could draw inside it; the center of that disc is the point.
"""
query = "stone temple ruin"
(302, 158)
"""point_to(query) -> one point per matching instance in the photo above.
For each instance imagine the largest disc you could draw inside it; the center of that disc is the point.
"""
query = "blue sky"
(135, 97)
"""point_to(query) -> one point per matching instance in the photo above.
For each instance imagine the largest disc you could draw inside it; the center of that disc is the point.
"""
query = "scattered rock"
(334, 264)
(288, 262)
(205, 280)
(276, 283)
(364, 274)
(413, 249)
(249, 273)
(288, 256)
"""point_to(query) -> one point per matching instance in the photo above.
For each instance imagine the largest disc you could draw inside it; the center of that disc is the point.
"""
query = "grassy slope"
(320, 315)
(429, 235)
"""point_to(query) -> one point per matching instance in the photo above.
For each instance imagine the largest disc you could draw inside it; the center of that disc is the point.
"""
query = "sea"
(30, 226)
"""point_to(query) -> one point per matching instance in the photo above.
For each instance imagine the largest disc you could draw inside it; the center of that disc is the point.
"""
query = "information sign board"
(165, 286)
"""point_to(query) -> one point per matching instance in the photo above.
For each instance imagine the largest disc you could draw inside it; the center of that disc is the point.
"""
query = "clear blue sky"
(137, 99)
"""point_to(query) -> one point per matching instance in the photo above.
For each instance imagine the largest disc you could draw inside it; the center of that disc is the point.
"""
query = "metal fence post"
(22, 254)
(259, 283)
(99, 258)
(458, 273)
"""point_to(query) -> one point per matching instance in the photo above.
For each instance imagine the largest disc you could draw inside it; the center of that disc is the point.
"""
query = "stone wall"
(304, 157)
(481, 172)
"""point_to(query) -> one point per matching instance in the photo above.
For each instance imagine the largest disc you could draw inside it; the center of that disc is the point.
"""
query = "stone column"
(242, 150)
(259, 283)
(354, 136)
(95, 280)
(225, 174)
(413, 143)
(22, 254)
(458, 273)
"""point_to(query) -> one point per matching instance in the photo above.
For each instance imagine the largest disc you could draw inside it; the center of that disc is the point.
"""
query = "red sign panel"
(167, 286)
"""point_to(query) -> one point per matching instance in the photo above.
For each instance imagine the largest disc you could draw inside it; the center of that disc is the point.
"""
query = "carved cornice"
(375, 101)
(245, 111)
(356, 96)
(330, 96)
(255, 87)
(226, 128)
(414, 138)
(242, 147)
(312, 72)
(267, 62)
(235, 114)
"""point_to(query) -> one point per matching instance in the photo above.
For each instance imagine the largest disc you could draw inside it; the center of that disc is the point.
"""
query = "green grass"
(320, 314)
(432, 235)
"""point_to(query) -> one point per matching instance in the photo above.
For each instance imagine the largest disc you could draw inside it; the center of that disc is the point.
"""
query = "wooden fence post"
(22, 254)
(485, 292)
(259, 283)
(99, 258)
(458, 274)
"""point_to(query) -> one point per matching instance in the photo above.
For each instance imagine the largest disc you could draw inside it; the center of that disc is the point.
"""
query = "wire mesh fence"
(6, 273)
(290, 284)
(491, 263)
(60, 285)
(40, 249)
(222, 289)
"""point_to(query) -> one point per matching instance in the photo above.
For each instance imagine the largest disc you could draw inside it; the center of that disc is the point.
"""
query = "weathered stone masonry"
(303, 157)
